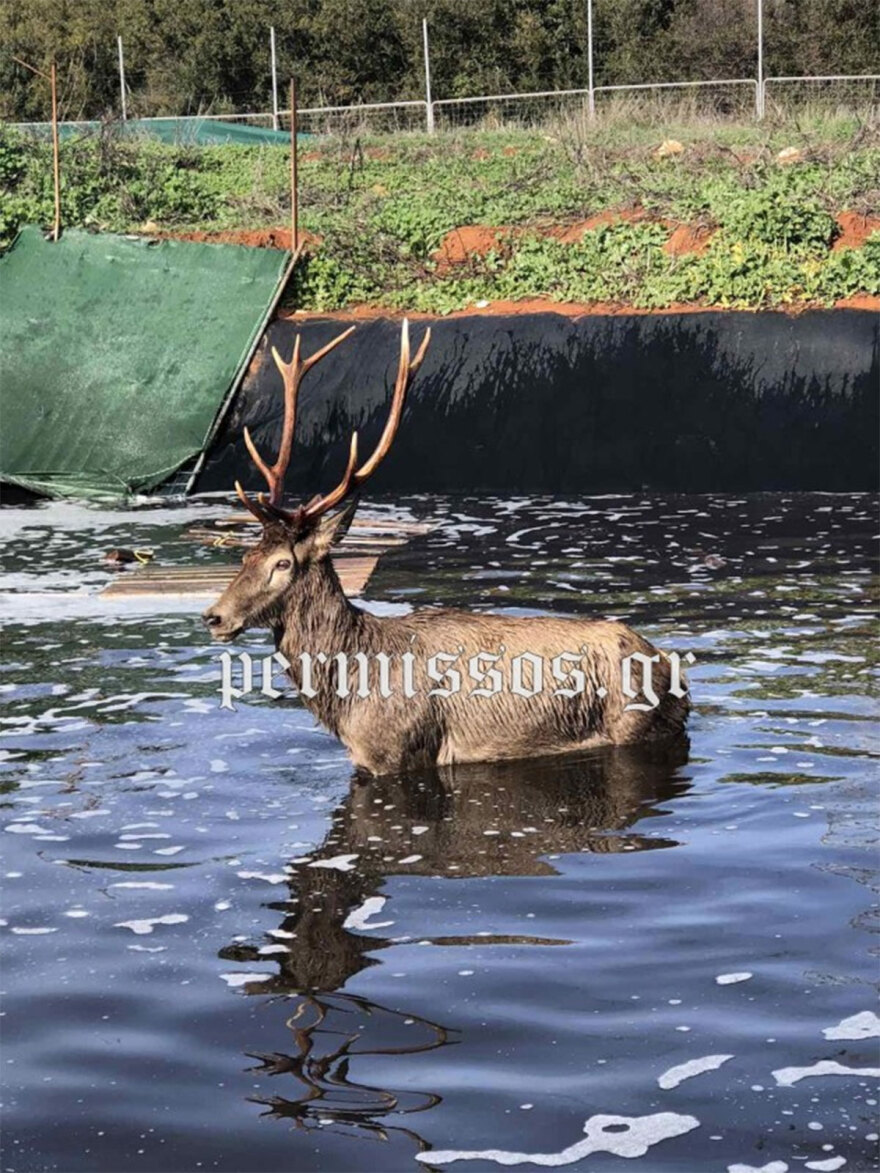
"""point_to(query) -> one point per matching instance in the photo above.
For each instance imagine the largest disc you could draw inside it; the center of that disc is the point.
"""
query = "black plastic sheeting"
(720, 401)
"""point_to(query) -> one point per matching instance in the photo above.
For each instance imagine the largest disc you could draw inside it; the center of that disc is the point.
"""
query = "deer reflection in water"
(428, 824)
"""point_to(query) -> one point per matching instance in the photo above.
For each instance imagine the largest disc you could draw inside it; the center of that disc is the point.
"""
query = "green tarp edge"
(117, 353)
(197, 130)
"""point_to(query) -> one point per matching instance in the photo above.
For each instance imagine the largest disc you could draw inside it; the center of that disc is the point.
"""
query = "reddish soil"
(471, 240)
(573, 233)
(253, 238)
(855, 229)
(480, 154)
(689, 238)
(859, 301)
(475, 240)
(539, 305)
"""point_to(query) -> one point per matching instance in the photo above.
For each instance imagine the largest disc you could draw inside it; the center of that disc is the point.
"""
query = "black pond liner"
(718, 401)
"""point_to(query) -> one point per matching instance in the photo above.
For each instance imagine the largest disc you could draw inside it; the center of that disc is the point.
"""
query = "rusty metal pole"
(56, 154)
(52, 78)
(294, 178)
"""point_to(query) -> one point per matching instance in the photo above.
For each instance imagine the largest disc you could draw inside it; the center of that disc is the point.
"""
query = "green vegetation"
(383, 206)
(188, 55)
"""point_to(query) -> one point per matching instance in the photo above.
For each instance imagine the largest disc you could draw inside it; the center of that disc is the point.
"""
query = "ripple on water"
(213, 929)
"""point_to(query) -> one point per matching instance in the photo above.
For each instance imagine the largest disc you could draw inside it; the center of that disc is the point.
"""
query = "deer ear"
(331, 530)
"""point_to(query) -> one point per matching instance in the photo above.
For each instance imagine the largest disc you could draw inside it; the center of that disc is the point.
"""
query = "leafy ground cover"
(740, 216)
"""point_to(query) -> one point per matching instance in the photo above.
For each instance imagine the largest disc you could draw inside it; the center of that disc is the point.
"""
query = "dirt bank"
(565, 309)
(855, 229)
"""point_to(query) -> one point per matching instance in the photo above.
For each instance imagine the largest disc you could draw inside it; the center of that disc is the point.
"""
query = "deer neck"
(319, 618)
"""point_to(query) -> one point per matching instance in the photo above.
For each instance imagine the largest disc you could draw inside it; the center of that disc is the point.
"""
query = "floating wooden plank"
(394, 525)
(209, 581)
(229, 539)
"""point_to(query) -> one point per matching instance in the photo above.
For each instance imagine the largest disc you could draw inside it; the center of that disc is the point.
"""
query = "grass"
(383, 204)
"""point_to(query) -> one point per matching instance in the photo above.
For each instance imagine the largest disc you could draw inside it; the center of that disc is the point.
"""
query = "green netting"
(203, 131)
(115, 354)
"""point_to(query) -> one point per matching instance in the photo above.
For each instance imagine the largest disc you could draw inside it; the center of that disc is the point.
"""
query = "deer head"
(296, 540)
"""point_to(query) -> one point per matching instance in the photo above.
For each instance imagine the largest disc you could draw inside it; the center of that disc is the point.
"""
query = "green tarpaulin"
(203, 131)
(116, 353)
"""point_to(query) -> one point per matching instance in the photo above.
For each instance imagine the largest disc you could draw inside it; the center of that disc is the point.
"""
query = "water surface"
(222, 951)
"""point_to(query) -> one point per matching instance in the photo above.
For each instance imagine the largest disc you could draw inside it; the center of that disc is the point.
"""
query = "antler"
(353, 477)
(292, 375)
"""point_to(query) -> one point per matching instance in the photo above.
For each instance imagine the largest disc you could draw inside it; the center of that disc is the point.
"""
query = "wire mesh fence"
(785, 95)
(365, 119)
(734, 99)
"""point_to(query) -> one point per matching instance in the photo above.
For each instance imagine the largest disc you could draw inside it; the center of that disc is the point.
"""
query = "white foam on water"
(773, 1167)
(342, 863)
(789, 1076)
(153, 885)
(640, 1133)
(32, 932)
(147, 948)
(828, 1166)
(149, 923)
(731, 979)
(358, 917)
(676, 1075)
(234, 980)
(269, 877)
(865, 1025)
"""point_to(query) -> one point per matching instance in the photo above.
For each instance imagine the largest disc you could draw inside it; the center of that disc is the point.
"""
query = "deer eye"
(284, 564)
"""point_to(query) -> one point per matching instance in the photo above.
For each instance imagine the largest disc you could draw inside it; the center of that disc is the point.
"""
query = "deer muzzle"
(220, 628)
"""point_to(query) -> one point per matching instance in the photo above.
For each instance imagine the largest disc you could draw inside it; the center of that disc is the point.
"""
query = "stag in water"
(288, 583)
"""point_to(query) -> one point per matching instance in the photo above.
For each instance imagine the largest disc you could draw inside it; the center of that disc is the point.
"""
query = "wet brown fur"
(308, 612)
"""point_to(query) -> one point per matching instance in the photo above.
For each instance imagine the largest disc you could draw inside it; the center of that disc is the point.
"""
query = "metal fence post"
(122, 79)
(759, 92)
(429, 105)
(591, 92)
(274, 78)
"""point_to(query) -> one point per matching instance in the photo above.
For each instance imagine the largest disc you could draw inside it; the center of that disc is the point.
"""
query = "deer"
(416, 717)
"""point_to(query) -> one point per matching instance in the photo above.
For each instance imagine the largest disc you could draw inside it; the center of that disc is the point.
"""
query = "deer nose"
(211, 619)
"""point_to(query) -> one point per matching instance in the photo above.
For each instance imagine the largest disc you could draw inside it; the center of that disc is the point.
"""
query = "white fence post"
(274, 78)
(759, 92)
(429, 105)
(591, 93)
(122, 79)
